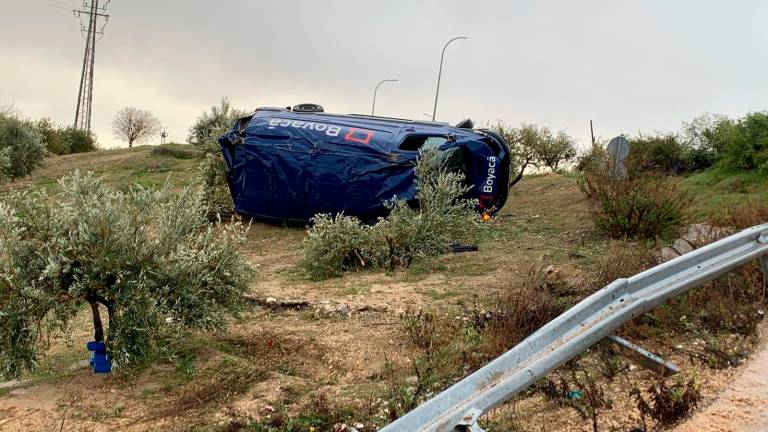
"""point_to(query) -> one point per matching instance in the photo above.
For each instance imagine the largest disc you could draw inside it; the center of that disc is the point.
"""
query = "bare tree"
(135, 126)
(8, 110)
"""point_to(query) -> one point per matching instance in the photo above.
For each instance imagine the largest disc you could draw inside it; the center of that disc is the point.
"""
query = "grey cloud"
(627, 65)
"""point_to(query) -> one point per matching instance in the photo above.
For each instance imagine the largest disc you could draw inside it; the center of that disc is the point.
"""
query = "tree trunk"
(98, 328)
(519, 175)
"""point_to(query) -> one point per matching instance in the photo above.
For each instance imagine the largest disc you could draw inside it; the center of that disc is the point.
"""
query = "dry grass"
(522, 310)
(746, 215)
(642, 207)
(622, 260)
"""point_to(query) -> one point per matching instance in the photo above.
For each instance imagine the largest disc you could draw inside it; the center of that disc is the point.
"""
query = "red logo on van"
(361, 136)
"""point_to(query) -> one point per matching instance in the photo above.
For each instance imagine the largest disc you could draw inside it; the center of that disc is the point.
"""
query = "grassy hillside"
(715, 189)
(355, 350)
(144, 165)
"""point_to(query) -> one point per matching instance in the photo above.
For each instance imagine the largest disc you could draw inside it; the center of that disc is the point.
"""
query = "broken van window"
(426, 142)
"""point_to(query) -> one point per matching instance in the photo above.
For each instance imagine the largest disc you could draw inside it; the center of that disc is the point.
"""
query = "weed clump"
(446, 349)
(639, 206)
(622, 260)
(336, 244)
(522, 310)
(668, 403)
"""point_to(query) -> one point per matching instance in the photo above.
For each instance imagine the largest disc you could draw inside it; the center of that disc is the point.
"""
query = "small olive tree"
(212, 124)
(148, 257)
(204, 135)
(340, 243)
(554, 150)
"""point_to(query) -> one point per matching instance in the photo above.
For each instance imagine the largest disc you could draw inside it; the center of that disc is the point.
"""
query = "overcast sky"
(628, 65)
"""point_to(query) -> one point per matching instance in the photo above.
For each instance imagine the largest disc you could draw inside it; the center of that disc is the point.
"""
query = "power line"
(51, 5)
(65, 4)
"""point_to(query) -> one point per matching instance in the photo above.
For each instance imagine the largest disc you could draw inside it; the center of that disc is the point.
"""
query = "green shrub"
(49, 130)
(336, 244)
(743, 143)
(148, 256)
(65, 140)
(76, 141)
(211, 125)
(341, 243)
(22, 147)
(175, 151)
(639, 207)
(661, 153)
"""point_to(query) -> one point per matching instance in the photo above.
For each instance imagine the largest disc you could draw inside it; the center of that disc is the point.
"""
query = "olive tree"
(522, 142)
(339, 243)
(148, 258)
(552, 150)
(214, 123)
(134, 125)
(531, 145)
(204, 135)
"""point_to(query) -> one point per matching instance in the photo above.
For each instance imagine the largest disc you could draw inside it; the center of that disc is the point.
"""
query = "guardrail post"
(642, 357)
(764, 260)
(468, 423)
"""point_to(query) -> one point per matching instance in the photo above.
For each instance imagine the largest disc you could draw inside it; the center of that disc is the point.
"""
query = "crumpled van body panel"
(288, 166)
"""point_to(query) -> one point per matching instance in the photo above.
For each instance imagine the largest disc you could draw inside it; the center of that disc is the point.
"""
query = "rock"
(553, 275)
(371, 308)
(343, 428)
(82, 364)
(682, 246)
(668, 253)
(703, 233)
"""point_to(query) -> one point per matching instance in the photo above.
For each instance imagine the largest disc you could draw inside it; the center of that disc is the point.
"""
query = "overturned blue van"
(287, 165)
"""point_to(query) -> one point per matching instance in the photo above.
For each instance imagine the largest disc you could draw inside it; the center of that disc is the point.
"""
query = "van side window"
(426, 142)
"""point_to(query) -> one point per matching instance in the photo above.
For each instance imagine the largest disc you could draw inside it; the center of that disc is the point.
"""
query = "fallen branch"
(273, 303)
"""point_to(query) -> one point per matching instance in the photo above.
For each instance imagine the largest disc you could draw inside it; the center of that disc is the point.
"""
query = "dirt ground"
(742, 405)
(274, 358)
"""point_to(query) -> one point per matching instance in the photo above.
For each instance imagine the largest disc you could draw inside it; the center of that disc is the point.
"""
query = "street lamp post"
(373, 108)
(440, 74)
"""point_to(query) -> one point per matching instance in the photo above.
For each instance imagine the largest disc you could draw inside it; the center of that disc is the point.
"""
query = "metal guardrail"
(576, 330)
